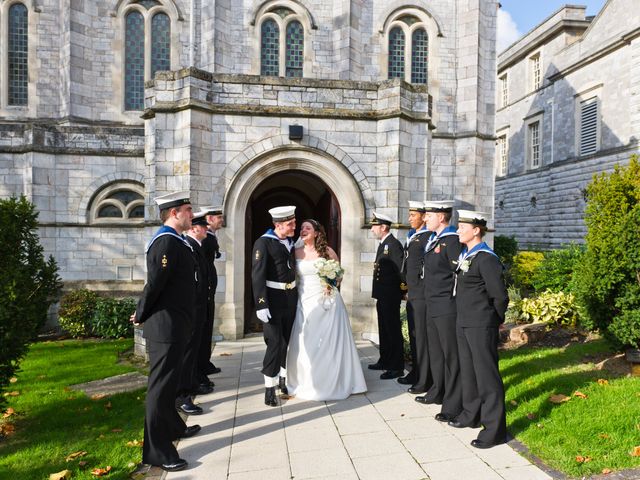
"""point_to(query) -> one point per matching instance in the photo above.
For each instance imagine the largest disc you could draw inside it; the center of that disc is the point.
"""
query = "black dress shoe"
(375, 366)
(212, 370)
(457, 424)
(270, 397)
(179, 464)
(416, 390)
(408, 379)
(190, 408)
(427, 401)
(203, 389)
(444, 417)
(389, 374)
(190, 431)
(480, 444)
(282, 385)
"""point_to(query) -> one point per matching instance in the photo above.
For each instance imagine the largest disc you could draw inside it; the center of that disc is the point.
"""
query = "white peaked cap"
(282, 214)
(479, 219)
(211, 210)
(174, 199)
(417, 206)
(380, 219)
(439, 205)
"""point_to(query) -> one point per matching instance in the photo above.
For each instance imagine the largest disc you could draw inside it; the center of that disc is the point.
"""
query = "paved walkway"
(383, 434)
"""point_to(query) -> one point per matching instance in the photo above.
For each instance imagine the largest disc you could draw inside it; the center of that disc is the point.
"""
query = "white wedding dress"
(322, 361)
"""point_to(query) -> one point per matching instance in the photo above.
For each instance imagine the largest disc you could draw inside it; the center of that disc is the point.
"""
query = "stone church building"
(568, 98)
(339, 107)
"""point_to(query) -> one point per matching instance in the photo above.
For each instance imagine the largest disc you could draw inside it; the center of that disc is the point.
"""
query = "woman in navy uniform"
(413, 268)
(388, 288)
(482, 300)
(273, 277)
(166, 311)
(441, 253)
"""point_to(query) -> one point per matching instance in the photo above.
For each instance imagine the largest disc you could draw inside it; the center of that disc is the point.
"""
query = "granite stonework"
(582, 58)
(214, 126)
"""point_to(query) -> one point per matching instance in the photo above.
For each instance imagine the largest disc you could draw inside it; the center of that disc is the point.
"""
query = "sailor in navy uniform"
(190, 384)
(482, 300)
(388, 288)
(166, 311)
(441, 254)
(413, 268)
(273, 277)
(211, 248)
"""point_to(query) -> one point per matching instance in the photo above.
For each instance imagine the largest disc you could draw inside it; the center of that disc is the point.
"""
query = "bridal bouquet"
(330, 272)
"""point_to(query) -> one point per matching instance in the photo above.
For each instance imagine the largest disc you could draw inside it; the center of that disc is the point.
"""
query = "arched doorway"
(312, 198)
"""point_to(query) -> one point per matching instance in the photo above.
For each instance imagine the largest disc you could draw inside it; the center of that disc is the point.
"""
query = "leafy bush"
(553, 308)
(111, 318)
(556, 269)
(406, 346)
(29, 284)
(506, 248)
(514, 311)
(524, 266)
(607, 279)
(76, 312)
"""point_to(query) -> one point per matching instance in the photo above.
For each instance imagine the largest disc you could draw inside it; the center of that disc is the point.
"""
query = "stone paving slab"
(127, 382)
(382, 434)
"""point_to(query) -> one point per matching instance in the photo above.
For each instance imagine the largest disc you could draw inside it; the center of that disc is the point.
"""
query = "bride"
(322, 361)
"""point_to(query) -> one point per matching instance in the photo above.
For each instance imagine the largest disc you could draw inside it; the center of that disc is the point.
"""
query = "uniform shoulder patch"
(165, 262)
(258, 255)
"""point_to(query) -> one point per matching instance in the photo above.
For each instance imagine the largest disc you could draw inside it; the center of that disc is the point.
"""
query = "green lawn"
(604, 427)
(52, 421)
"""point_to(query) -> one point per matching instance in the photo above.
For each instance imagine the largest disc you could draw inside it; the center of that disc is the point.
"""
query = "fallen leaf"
(531, 416)
(63, 475)
(226, 354)
(606, 471)
(13, 380)
(10, 411)
(581, 459)
(99, 472)
(15, 393)
(98, 396)
(7, 429)
(604, 435)
(559, 398)
(635, 452)
(513, 402)
(82, 463)
(134, 443)
(539, 425)
(579, 394)
(116, 430)
(74, 455)
(602, 381)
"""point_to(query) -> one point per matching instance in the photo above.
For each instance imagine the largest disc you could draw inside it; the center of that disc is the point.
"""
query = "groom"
(275, 295)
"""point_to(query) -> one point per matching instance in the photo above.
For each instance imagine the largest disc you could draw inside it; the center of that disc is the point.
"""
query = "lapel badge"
(261, 300)
(164, 261)
(437, 249)
(386, 250)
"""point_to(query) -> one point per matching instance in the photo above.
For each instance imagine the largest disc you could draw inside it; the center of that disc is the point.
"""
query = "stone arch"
(294, 5)
(170, 4)
(246, 172)
(99, 183)
(424, 13)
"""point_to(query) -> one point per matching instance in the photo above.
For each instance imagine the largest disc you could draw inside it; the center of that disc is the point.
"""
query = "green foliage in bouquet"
(552, 308)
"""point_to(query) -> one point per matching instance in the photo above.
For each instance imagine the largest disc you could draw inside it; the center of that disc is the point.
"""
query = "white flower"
(464, 265)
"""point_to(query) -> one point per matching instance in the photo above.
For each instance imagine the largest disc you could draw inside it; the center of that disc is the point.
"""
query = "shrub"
(111, 318)
(607, 279)
(76, 312)
(406, 346)
(29, 284)
(514, 311)
(506, 248)
(553, 308)
(524, 267)
(556, 269)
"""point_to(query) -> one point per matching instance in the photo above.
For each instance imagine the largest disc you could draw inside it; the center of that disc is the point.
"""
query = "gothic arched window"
(396, 53)
(295, 49)
(147, 32)
(118, 202)
(270, 48)
(419, 49)
(408, 45)
(17, 65)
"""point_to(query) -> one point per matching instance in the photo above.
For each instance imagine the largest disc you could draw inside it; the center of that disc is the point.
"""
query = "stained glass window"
(419, 51)
(17, 63)
(396, 53)
(118, 202)
(148, 3)
(160, 43)
(295, 49)
(282, 11)
(270, 49)
(134, 61)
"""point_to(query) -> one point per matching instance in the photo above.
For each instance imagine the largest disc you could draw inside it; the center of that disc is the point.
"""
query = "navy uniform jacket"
(203, 291)
(440, 261)
(481, 294)
(211, 249)
(413, 265)
(271, 261)
(166, 307)
(388, 280)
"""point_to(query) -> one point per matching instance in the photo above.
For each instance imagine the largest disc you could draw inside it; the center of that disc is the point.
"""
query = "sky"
(517, 17)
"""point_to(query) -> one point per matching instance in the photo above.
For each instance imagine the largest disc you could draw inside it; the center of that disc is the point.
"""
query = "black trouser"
(204, 348)
(278, 331)
(482, 387)
(189, 378)
(390, 332)
(162, 424)
(421, 368)
(445, 366)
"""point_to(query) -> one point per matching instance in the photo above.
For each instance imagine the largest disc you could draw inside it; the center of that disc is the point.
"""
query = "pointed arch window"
(408, 46)
(17, 61)
(134, 61)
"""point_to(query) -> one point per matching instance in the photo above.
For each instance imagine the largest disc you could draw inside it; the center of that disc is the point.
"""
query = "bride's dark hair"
(320, 243)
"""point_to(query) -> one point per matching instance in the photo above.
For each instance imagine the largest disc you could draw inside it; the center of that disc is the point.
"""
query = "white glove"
(263, 315)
